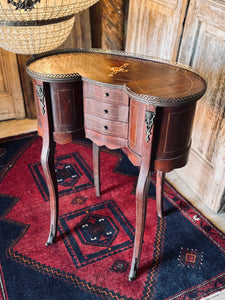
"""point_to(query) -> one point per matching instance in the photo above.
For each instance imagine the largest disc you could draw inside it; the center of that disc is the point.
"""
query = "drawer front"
(106, 127)
(105, 94)
(107, 111)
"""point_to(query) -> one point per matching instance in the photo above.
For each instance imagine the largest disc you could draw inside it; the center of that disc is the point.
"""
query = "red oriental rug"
(183, 254)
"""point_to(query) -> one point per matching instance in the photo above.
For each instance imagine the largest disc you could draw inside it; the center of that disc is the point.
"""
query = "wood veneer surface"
(140, 77)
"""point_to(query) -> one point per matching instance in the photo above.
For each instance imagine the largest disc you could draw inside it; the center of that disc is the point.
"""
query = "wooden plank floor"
(15, 127)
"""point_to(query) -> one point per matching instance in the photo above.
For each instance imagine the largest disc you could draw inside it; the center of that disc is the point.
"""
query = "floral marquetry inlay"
(115, 70)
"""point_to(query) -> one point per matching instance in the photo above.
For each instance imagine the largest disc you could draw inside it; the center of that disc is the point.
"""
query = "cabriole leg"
(142, 189)
(47, 162)
(47, 156)
(141, 205)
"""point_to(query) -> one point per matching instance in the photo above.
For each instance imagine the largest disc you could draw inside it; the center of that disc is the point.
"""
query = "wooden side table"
(117, 100)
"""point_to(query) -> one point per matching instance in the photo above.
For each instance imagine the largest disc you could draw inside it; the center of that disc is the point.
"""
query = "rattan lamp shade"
(32, 27)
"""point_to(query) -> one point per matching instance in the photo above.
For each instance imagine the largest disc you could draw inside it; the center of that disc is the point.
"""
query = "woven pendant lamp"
(37, 26)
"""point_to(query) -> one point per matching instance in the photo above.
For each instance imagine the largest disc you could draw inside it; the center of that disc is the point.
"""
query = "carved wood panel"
(11, 97)
(155, 27)
(203, 48)
(108, 18)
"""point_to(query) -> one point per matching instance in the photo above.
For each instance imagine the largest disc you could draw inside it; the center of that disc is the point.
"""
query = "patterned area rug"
(183, 254)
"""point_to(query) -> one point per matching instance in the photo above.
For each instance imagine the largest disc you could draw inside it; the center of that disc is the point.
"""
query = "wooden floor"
(15, 127)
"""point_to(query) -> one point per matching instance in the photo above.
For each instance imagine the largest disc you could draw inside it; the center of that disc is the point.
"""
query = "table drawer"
(106, 127)
(107, 111)
(105, 94)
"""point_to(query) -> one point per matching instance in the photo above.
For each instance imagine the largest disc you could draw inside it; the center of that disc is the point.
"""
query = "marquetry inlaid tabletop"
(145, 79)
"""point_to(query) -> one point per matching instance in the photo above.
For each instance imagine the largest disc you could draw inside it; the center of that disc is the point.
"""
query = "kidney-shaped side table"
(117, 100)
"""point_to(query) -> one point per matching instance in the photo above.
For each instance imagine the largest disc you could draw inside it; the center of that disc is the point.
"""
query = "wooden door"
(11, 97)
(203, 48)
(155, 26)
